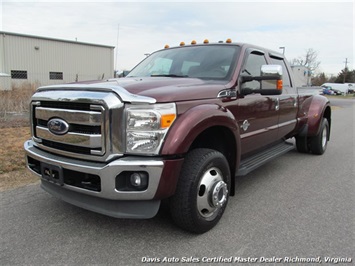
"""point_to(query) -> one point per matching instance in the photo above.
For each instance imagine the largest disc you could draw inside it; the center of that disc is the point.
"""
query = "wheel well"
(220, 139)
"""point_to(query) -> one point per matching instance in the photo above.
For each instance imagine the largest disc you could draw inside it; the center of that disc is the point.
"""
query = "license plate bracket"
(52, 173)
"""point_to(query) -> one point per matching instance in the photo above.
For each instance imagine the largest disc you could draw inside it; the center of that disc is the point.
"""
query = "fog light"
(136, 179)
(139, 180)
(132, 181)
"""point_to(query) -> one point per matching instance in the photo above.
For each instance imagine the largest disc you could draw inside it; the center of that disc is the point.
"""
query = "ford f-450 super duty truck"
(180, 127)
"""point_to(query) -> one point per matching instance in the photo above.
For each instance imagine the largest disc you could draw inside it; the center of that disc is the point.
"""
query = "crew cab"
(182, 125)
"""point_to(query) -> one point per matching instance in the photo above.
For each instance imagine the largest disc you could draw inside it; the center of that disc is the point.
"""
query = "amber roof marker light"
(193, 42)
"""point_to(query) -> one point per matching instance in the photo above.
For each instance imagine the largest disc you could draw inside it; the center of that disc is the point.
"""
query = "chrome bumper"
(109, 200)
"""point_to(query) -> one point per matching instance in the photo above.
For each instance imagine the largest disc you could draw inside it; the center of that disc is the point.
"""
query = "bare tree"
(309, 60)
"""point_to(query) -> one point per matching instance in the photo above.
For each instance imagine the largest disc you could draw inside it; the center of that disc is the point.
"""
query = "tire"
(202, 191)
(302, 144)
(319, 143)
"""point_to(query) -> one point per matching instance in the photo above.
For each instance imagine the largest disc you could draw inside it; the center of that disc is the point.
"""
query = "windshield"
(205, 62)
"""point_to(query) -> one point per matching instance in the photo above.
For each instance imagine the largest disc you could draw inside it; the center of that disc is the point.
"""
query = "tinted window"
(205, 62)
(285, 76)
(252, 67)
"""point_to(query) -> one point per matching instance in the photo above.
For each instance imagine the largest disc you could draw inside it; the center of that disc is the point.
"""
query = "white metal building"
(46, 61)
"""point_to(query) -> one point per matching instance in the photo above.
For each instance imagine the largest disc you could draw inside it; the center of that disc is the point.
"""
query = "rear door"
(257, 114)
(288, 100)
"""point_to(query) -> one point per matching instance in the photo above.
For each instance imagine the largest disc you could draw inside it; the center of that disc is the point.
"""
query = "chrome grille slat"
(81, 140)
(92, 118)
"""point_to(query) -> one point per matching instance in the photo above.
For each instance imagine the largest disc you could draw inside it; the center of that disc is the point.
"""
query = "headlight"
(146, 127)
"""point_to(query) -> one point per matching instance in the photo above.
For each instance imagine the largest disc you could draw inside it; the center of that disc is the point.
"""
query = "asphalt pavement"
(296, 210)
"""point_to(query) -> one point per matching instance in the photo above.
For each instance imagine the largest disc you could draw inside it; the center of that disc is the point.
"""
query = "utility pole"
(283, 49)
(116, 63)
(345, 69)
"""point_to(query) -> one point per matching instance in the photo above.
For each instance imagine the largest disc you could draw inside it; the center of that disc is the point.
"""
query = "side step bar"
(251, 163)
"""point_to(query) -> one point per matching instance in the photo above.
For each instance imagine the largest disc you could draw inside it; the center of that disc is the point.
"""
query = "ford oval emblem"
(58, 126)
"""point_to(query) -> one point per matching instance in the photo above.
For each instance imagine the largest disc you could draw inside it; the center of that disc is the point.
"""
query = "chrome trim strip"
(70, 116)
(77, 139)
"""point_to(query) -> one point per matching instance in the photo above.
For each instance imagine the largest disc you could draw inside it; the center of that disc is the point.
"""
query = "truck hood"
(165, 89)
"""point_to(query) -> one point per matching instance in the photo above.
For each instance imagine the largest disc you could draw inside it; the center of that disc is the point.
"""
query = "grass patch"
(14, 130)
(16, 100)
(13, 172)
(12, 155)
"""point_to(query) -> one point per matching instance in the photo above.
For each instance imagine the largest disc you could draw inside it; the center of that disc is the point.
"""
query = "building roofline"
(54, 39)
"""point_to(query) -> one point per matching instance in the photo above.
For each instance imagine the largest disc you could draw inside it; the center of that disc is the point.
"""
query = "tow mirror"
(270, 81)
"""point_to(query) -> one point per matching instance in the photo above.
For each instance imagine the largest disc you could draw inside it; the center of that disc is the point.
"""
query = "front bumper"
(107, 199)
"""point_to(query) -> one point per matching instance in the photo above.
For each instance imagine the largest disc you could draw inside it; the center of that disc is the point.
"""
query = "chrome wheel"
(324, 137)
(212, 193)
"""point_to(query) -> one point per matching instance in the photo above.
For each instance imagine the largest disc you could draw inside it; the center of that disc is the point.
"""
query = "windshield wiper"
(170, 76)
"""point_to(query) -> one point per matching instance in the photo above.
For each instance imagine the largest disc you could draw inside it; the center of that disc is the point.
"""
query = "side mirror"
(270, 81)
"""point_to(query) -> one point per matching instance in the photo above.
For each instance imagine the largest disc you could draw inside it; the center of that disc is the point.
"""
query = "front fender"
(319, 108)
(193, 122)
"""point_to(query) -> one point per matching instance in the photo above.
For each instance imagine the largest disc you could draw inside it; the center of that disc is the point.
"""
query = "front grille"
(78, 122)
(85, 127)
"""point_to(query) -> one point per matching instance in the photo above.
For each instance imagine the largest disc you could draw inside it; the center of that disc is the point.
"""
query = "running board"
(251, 163)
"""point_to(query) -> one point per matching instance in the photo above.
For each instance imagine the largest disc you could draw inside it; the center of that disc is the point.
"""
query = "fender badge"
(245, 125)
(58, 126)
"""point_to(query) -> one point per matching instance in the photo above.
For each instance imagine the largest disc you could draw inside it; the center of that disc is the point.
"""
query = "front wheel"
(202, 191)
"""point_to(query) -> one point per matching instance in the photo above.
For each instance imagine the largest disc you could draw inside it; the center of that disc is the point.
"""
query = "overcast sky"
(137, 28)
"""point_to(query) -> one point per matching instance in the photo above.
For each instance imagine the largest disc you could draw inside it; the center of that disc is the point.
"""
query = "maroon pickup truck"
(180, 127)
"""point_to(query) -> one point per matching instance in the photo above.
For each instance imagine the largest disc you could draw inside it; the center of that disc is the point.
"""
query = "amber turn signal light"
(279, 84)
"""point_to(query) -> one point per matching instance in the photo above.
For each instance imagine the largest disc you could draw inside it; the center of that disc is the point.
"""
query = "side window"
(252, 67)
(285, 75)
